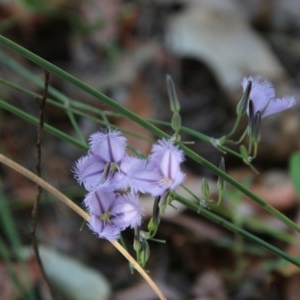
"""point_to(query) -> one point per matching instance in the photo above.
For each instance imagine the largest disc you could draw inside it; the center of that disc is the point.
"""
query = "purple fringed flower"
(165, 159)
(106, 152)
(111, 213)
(263, 97)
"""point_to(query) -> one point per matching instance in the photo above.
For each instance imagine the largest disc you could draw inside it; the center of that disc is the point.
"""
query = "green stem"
(232, 227)
(80, 84)
(235, 126)
(76, 107)
(51, 91)
(241, 188)
(30, 119)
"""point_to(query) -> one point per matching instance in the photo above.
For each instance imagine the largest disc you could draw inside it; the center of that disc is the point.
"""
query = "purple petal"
(88, 171)
(159, 151)
(110, 146)
(278, 105)
(127, 212)
(104, 230)
(169, 165)
(179, 179)
(134, 173)
(100, 200)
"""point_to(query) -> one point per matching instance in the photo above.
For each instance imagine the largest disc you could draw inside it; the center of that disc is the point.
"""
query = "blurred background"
(125, 49)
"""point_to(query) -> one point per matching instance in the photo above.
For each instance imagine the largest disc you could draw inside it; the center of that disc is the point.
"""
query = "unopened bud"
(256, 127)
(205, 189)
(244, 152)
(242, 105)
(250, 112)
(176, 122)
(144, 253)
(221, 182)
(174, 103)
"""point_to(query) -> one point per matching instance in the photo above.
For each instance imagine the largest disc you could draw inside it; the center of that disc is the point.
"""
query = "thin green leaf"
(294, 168)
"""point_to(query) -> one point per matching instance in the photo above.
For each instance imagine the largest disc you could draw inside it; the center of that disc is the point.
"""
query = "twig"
(36, 205)
(57, 194)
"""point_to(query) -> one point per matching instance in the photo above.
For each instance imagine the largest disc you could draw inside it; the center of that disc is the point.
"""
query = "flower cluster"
(114, 180)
